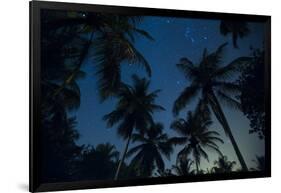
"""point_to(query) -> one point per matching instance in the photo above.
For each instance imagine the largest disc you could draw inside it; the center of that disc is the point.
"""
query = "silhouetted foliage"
(252, 84)
(260, 163)
(66, 41)
(58, 149)
(106, 41)
(57, 131)
(154, 144)
(222, 165)
(237, 29)
(210, 79)
(98, 163)
(165, 173)
(69, 36)
(195, 135)
(133, 111)
(183, 167)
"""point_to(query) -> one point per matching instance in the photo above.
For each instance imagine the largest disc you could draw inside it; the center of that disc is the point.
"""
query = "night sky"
(174, 38)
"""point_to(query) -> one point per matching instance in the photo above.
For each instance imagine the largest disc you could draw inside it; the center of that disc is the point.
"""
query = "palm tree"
(111, 39)
(67, 99)
(107, 151)
(260, 163)
(238, 29)
(149, 153)
(195, 135)
(223, 165)
(133, 111)
(184, 167)
(210, 79)
(98, 163)
(115, 47)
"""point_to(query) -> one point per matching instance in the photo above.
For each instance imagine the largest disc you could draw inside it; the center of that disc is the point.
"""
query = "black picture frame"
(36, 6)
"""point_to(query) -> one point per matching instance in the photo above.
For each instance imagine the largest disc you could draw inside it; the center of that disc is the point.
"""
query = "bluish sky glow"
(174, 38)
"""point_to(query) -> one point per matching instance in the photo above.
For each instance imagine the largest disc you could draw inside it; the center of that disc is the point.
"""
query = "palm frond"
(144, 33)
(139, 138)
(159, 161)
(203, 153)
(186, 66)
(186, 96)
(230, 69)
(135, 57)
(227, 100)
(134, 150)
(114, 117)
(178, 140)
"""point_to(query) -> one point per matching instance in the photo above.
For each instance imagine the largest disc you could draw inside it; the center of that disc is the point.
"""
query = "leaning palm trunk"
(123, 158)
(222, 119)
(197, 167)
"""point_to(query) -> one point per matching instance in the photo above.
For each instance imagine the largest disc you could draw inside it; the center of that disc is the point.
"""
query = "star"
(192, 39)
(168, 21)
(205, 38)
(178, 82)
(187, 35)
(187, 32)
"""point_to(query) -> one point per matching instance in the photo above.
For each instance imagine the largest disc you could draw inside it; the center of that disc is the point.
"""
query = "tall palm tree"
(115, 46)
(133, 111)
(195, 135)
(238, 29)
(223, 165)
(209, 79)
(184, 167)
(110, 39)
(149, 153)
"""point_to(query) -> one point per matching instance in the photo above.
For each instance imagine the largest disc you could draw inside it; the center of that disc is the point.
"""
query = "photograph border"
(34, 100)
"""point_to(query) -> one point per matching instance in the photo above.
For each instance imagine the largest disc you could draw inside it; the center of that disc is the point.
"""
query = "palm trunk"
(123, 157)
(234, 39)
(222, 119)
(197, 168)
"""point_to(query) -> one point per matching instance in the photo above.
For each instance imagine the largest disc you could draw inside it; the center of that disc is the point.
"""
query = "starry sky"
(174, 38)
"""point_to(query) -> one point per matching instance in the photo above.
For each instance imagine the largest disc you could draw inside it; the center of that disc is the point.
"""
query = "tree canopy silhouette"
(97, 163)
(195, 135)
(260, 163)
(252, 81)
(154, 144)
(209, 78)
(183, 167)
(133, 111)
(222, 165)
(70, 38)
(238, 29)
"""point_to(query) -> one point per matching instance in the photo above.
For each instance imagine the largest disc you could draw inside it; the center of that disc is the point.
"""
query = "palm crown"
(223, 165)
(195, 135)
(149, 152)
(238, 29)
(184, 167)
(211, 80)
(109, 37)
(133, 111)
